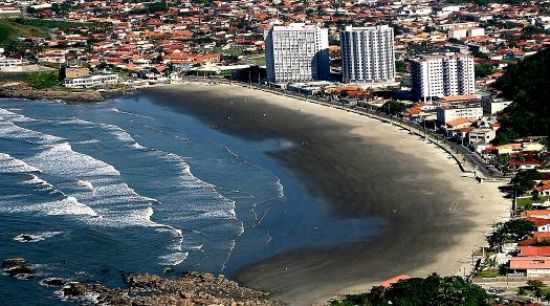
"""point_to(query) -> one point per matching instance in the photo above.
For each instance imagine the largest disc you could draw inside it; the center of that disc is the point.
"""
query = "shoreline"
(303, 284)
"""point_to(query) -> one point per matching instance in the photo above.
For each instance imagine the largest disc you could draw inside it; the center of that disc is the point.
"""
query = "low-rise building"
(53, 56)
(492, 106)
(449, 113)
(92, 81)
(481, 136)
(532, 266)
(10, 64)
(76, 72)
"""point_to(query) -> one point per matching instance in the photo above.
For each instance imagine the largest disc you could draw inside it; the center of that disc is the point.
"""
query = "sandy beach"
(436, 216)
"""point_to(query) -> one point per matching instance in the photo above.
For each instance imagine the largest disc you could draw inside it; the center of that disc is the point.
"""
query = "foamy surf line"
(101, 202)
(9, 164)
(58, 157)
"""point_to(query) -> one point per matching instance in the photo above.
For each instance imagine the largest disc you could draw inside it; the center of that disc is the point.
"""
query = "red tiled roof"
(458, 122)
(529, 251)
(543, 186)
(537, 213)
(537, 238)
(539, 221)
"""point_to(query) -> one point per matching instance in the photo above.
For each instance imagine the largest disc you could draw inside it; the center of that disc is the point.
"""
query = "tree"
(528, 85)
(483, 70)
(401, 66)
(41, 80)
(431, 291)
(511, 231)
(393, 107)
(531, 30)
(524, 181)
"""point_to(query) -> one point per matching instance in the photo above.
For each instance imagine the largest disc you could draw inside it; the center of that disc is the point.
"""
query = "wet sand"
(436, 216)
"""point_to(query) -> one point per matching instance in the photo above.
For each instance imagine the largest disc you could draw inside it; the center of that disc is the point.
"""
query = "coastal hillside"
(10, 30)
(527, 83)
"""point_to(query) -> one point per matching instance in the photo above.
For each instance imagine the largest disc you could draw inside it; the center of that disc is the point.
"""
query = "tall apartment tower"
(367, 54)
(297, 52)
(443, 75)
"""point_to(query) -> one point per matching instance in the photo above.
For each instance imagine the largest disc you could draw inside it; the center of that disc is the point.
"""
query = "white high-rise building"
(443, 75)
(368, 54)
(296, 53)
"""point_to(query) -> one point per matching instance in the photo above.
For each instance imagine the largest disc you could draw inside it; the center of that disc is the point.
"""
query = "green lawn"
(489, 273)
(527, 202)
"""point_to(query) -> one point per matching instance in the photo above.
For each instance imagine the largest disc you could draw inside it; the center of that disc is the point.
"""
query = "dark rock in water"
(25, 238)
(17, 267)
(53, 282)
(13, 262)
(75, 289)
(168, 270)
(23, 269)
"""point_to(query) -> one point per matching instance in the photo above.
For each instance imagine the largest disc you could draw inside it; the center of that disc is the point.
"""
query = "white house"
(92, 81)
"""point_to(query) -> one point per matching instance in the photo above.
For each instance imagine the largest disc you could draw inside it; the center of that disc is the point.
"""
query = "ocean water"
(130, 185)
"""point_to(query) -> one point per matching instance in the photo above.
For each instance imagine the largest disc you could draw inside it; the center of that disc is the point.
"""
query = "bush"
(41, 80)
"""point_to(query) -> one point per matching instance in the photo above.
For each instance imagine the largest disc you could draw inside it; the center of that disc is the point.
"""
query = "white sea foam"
(86, 184)
(8, 164)
(116, 110)
(280, 188)
(36, 237)
(173, 259)
(66, 206)
(13, 116)
(84, 142)
(286, 144)
(110, 201)
(10, 130)
(60, 158)
(235, 155)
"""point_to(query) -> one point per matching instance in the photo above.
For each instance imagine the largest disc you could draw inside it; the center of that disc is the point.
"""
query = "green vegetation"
(526, 203)
(42, 80)
(535, 288)
(490, 273)
(484, 70)
(524, 181)
(527, 83)
(61, 8)
(531, 30)
(47, 24)
(394, 107)
(511, 231)
(10, 30)
(401, 66)
(431, 291)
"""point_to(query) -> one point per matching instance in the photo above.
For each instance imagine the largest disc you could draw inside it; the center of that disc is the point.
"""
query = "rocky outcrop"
(17, 267)
(192, 288)
(153, 290)
(24, 91)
